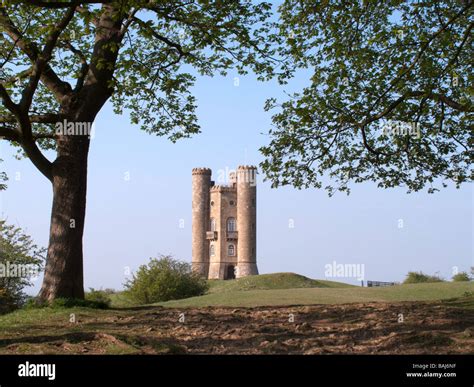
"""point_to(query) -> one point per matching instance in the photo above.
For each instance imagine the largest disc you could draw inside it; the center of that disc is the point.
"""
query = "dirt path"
(376, 328)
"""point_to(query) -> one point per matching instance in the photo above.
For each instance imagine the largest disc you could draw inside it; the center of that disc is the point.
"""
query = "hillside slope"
(272, 281)
(328, 295)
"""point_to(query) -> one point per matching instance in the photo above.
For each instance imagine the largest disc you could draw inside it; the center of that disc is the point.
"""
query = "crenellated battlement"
(222, 188)
(201, 171)
(247, 167)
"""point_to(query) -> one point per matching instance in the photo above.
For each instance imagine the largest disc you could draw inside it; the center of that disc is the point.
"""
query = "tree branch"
(50, 79)
(43, 58)
(47, 118)
(25, 136)
(7, 101)
(161, 38)
(423, 48)
(459, 49)
(84, 64)
(441, 98)
(98, 85)
(9, 133)
(63, 4)
(37, 158)
(17, 77)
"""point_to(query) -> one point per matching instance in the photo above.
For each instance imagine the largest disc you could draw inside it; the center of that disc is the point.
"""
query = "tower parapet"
(202, 171)
(222, 188)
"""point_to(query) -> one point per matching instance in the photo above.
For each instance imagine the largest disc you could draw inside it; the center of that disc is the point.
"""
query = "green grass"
(264, 292)
(270, 282)
(257, 282)
(293, 289)
(120, 300)
(35, 316)
(326, 295)
(123, 329)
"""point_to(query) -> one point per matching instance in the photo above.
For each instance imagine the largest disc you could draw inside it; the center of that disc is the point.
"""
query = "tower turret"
(247, 221)
(200, 220)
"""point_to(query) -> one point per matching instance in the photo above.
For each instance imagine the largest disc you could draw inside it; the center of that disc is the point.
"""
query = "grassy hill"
(293, 289)
(272, 281)
(324, 295)
(258, 282)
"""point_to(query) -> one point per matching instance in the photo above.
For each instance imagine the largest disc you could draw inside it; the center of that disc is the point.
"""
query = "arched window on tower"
(231, 224)
(212, 250)
(213, 224)
(231, 250)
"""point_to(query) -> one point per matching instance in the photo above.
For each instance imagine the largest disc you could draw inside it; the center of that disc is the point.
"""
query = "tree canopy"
(389, 99)
(143, 53)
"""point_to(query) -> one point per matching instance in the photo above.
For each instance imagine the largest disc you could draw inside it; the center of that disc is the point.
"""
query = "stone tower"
(225, 224)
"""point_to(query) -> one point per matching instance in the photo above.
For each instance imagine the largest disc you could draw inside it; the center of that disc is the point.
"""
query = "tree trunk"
(63, 277)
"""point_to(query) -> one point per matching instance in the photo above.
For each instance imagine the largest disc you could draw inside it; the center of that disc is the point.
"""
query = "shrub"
(461, 277)
(20, 261)
(34, 303)
(165, 279)
(59, 303)
(416, 278)
(99, 296)
(76, 302)
(7, 301)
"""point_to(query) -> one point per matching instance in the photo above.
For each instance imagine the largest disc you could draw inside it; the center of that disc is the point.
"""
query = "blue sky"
(129, 221)
(140, 192)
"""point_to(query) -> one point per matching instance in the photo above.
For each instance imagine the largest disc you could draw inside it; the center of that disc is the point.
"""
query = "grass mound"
(327, 295)
(270, 282)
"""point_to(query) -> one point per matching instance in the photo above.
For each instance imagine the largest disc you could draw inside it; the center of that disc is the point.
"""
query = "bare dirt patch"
(374, 328)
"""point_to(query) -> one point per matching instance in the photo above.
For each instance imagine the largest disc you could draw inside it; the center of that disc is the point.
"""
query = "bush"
(99, 296)
(76, 302)
(59, 303)
(8, 303)
(20, 261)
(417, 278)
(461, 277)
(34, 303)
(165, 279)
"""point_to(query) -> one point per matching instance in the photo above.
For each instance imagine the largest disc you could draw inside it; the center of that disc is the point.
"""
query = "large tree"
(389, 98)
(63, 60)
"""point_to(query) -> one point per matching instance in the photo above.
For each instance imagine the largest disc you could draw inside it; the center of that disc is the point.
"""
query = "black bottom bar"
(327, 370)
